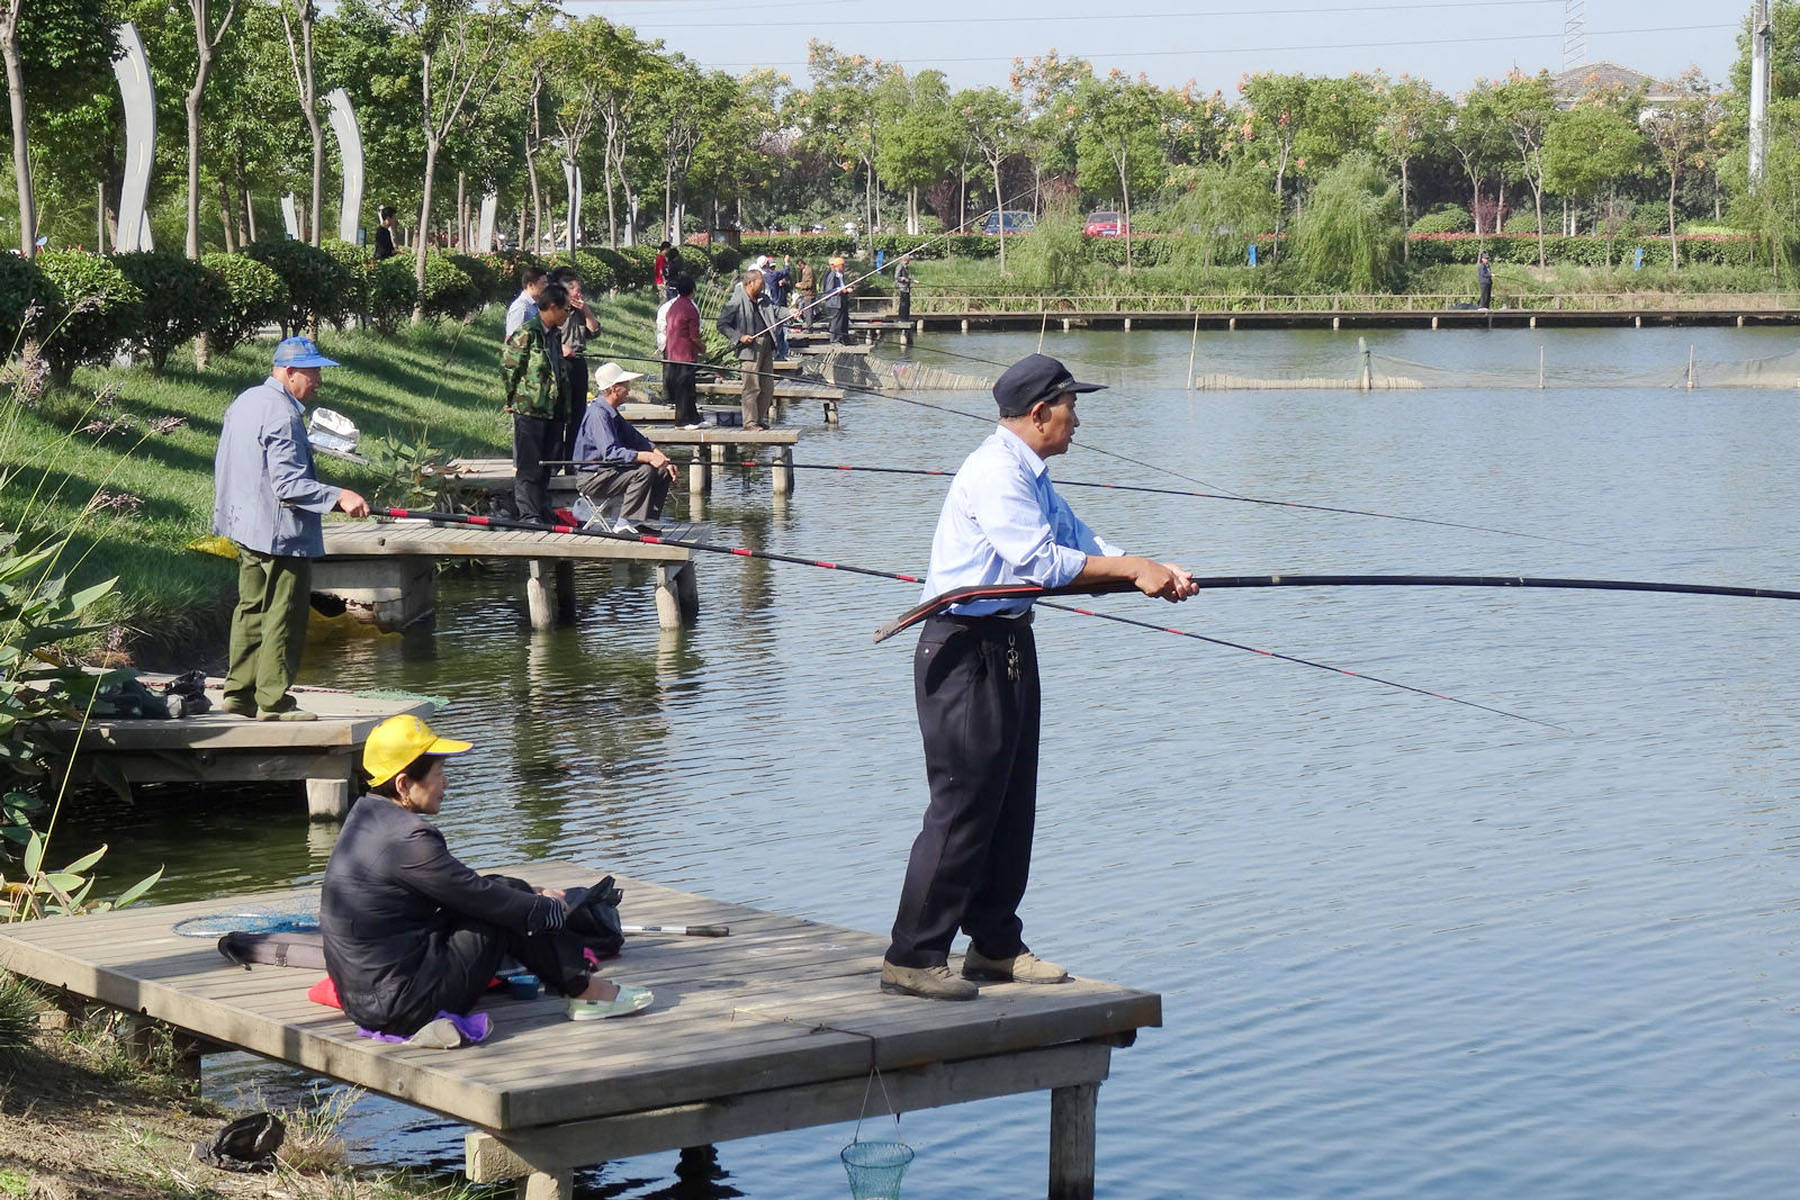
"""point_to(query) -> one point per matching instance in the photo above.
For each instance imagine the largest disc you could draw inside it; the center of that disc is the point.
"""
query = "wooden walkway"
(384, 571)
(217, 747)
(1385, 318)
(774, 1028)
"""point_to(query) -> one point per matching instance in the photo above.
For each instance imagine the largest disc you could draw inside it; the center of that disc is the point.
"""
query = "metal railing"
(929, 302)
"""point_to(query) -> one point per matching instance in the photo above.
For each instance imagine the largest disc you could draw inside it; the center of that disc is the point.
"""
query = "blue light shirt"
(1004, 523)
(521, 310)
(266, 494)
(607, 437)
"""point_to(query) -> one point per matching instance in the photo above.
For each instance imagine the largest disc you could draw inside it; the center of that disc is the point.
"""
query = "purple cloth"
(474, 1028)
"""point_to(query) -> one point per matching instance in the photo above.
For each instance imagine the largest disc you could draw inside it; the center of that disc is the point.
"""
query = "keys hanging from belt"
(1012, 659)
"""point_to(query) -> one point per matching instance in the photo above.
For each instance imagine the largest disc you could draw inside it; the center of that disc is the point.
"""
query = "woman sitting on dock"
(411, 934)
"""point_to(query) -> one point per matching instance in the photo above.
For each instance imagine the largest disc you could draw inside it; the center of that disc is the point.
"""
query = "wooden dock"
(775, 1028)
(709, 446)
(384, 571)
(217, 747)
(1251, 318)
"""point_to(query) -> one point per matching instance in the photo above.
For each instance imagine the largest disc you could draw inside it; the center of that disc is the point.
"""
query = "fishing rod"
(949, 598)
(1216, 494)
(967, 595)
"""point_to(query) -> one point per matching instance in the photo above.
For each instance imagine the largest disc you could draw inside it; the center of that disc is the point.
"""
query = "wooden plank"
(473, 541)
(489, 1159)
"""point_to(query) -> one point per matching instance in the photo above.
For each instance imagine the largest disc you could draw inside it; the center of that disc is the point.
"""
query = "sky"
(1212, 42)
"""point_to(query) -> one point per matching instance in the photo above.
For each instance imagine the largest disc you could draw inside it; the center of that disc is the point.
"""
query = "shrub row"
(1584, 251)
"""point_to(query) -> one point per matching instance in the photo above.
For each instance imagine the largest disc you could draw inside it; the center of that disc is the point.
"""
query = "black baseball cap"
(1033, 378)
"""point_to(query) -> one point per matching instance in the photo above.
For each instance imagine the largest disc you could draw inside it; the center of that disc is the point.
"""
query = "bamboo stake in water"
(1193, 348)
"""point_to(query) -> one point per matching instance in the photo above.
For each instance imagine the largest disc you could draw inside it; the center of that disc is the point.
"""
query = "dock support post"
(677, 595)
(1231, 324)
(781, 475)
(1127, 324)
(1334, 322)
(687, 592)
(1532, 324)
(1434, 321)
(1072, 1141)
(565, 592)
(831, 413)
(547, 1185)
(699, 473)
(965, 325)
(328, 799)
(540, 593)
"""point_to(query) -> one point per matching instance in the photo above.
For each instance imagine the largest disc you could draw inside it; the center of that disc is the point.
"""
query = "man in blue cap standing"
(975, 685)
(267, 498)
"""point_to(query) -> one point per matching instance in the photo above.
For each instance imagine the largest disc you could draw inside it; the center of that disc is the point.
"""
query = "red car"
(1104, 224)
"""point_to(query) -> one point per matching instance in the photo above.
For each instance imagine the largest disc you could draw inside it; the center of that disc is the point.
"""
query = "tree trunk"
(15, 91)
(202, 71)
(1405, 219)
(1674, 251)
(431, 153)
(1125, 194)
(1000, 213)
(225, 218)
(1475, 201)
(249, 216)
(462, 213)
(1537, 200)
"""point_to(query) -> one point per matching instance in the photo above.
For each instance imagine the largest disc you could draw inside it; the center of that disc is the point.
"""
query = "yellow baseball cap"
(397, 741)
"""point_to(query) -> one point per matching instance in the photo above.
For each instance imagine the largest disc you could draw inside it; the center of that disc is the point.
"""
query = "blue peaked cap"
(301, 352)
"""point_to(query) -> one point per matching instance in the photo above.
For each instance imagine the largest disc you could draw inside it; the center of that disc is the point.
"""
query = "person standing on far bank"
(975, 685)
(1484, 280)
(267, 499)
(903, 281)
(384, 234)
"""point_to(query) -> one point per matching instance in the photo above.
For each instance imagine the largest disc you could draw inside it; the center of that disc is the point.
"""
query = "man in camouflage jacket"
(533, 397)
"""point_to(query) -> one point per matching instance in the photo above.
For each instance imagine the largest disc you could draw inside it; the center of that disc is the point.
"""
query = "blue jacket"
(605, 436)
(266, 494)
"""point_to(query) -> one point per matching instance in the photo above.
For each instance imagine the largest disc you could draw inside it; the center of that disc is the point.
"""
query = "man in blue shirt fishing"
(267, 498)
(975, 685)
(617, 460)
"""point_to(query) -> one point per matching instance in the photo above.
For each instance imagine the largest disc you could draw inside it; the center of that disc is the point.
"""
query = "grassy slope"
(441, 381)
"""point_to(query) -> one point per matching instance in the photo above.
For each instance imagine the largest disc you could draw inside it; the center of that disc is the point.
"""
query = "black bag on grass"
(246, 1144)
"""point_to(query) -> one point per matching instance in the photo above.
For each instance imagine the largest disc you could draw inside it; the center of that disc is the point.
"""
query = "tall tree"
(1045, 89)
(992, 122)
(207, 37)
(1118, 146)
(53, 49)
(1477, 135)
(1277, 110)
(1527, 107)
(1413, 116)
(1590, 148)
(300, 57)
(920, 144)
(842, 110)
(1682, 135)
(461, 52)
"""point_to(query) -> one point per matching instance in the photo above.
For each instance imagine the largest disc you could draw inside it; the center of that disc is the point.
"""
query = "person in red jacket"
(682, 352)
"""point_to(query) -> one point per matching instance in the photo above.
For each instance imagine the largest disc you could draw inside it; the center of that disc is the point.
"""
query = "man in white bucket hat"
(614, 459)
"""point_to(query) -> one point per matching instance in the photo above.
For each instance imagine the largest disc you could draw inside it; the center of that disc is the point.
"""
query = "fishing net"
(1370, 371)
(875, 1168)
(296, 917)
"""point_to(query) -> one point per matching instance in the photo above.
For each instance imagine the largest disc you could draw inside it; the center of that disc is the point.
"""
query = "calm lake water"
(1406, 948)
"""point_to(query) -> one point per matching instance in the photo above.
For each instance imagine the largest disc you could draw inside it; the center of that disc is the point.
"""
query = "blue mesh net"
(875, 1168)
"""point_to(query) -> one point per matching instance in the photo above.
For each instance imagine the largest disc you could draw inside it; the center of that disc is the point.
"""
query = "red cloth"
(564, 516)
(324, 992)
(662, 265)
(683, 341)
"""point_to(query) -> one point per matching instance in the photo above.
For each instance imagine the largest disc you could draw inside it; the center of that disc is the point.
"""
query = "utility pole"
(1574, 33)
(1760, 39)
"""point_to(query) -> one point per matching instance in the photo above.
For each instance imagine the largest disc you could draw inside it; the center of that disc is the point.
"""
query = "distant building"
(1571, 85)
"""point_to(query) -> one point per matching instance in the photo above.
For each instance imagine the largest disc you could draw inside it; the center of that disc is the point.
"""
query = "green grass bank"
(123, 456)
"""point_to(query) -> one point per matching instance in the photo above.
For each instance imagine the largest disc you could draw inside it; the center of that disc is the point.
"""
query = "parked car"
(1103, 223)
(1017, 221)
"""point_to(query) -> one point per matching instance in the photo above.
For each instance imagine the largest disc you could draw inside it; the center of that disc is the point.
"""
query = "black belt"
(994, 622)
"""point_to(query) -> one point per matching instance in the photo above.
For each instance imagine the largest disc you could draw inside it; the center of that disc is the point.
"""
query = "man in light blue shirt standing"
(267, 498)
(524, 306)
(975, 685)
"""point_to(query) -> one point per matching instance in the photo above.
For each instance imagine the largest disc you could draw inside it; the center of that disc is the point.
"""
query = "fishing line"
(1215, 492)
(948, 598)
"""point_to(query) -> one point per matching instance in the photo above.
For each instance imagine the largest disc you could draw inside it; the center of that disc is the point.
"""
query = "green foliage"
(412, 473)
(96, 308)
(393, 293)
(359, 261)
(1582, 251)
(319, 287)
(20, 1006)
(1216, 215)
(1051, 256)
(39, 891)
(255, 296)
(183, 298)
(1348, 235)
(1448, 218)
(957, 245)
(1522, 221)
(23, 291)
(597, 274)
(480, 268)
(448, 291)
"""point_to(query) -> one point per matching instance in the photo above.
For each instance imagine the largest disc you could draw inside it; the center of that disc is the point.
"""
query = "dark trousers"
(809, 309)
(574, 394)
(975, 685)
(460, 961)
(840, 323)
(641, 489)
(1487, 294)
(268, 628)
(534, 440)
(905, 304)
(678, 389)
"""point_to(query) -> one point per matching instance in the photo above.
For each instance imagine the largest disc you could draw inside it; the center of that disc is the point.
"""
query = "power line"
(1108, 18)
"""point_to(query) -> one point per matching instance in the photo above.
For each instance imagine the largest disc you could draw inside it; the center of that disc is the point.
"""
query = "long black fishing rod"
(950, 598)
(1216, 494)
(967, 595)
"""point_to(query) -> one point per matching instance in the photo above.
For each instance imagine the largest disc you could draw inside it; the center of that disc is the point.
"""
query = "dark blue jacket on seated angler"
(409, 930)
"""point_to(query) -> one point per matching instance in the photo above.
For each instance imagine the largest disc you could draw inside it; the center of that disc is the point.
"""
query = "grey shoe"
(931, 983)
(439, 1034)
(238, 706)
(1023, 967)
(286, 714)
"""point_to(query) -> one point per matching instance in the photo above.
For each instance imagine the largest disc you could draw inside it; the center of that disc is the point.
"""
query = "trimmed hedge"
(25, 296)
(448, 290)
(1451, 218)
(255, 296)
(320, 288)
(393, 292)
(95, 309)
(1442, 249)
(185, 298)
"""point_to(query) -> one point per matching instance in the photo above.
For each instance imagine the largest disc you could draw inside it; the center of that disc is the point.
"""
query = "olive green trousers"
(268, 629)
